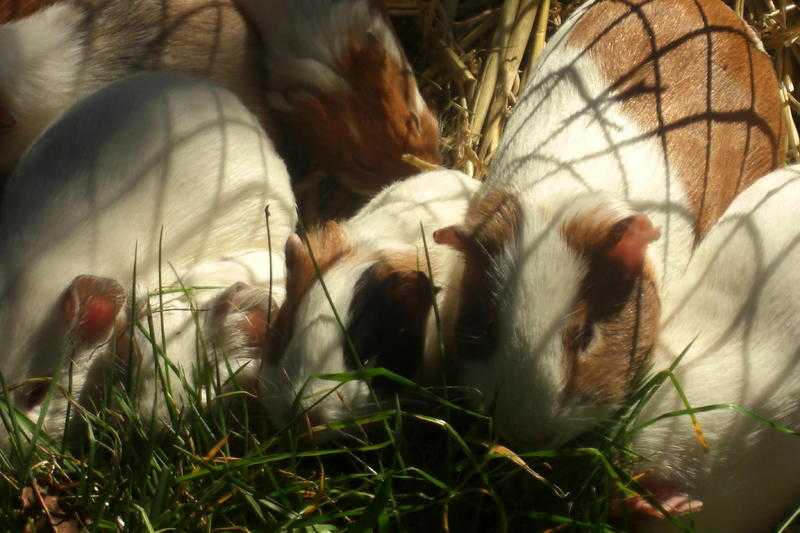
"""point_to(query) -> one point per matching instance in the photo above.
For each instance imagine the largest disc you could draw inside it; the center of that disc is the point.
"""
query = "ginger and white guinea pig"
(66, 49)
(150, 154)
(375, 270)
(736, 315)
(338, 81)
(612, 144)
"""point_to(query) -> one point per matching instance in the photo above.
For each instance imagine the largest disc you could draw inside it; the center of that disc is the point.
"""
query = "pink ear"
(453, 236)
(254, 326)
(634, 234)
(251, 308)
(295, 249)
(90, 306)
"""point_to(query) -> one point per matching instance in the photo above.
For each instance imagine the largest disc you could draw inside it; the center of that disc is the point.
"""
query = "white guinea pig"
(375, 270)
(612, 143)
(153, 152)
(339, 82)
(64, 51)
(736, 314)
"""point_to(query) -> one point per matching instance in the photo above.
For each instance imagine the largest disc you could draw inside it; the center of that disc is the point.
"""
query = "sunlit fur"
(55, 56)
(736, 312)
(525, 375)
(571, 137)
(36, 75)
(388, 226)
(153, 152)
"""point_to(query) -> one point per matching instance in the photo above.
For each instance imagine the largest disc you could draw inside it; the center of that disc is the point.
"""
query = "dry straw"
(474, 56)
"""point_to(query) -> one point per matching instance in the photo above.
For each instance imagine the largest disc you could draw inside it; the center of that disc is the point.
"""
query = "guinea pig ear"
(456, 237)
(626, 247)
(295, 252)
(89, 308)
(328, 243)
(411, 290)
(388, 314)
(240, 317)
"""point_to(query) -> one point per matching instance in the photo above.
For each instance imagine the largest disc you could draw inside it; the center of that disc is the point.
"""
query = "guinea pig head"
(558, 310)
(359, 116)
(64, 354)
(367, 310)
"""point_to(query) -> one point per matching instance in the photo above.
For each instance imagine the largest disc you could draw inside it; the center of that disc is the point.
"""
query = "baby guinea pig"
(168, 171)
(341, 86)
(374, 268)
(66, 49)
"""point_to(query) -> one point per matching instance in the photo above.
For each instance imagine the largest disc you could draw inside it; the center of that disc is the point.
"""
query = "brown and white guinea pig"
(375, 270)
(642, 119)
(340, 84)
(736, 315)
(155, 152)
(64, 51)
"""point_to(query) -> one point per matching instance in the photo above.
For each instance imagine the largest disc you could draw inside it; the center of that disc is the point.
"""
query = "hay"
(473, 57)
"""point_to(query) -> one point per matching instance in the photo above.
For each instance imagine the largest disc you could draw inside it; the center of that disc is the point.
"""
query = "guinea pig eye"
(35, 395)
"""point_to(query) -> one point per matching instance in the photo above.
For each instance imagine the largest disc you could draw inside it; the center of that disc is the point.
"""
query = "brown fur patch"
(11, 10)
(492, 224)
(329, 245)
(361, 134)
(388, 314)
(688, 73)
(209, 39)
(614, 322)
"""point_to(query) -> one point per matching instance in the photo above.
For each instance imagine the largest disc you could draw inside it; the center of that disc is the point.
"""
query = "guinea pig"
(338, 81)
(375, 270)
(159, 175)
(735, 317)
(610, 146)
(67, 50)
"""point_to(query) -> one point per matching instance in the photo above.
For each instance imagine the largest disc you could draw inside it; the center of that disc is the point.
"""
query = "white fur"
(155, 151)
(739, 308)
(61, 53)
(39, 60)
(390, 223)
